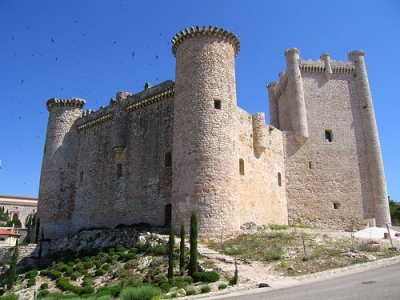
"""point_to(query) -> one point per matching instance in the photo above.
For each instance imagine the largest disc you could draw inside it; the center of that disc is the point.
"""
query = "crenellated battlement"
(75, 102)
(98, 120)
(205, 31)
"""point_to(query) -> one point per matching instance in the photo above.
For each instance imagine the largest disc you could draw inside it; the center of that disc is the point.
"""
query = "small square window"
(217, 104)
(336, 205)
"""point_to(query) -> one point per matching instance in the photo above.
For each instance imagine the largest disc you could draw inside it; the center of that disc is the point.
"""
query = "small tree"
(37, 226)
(28, 225)
(182, 250)
(193, 243)
(235, 278)
(13, 268)
(171, 244)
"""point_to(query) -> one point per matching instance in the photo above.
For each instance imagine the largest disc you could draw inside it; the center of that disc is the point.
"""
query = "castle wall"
(125, 184)
(327, 181)
(262, 199)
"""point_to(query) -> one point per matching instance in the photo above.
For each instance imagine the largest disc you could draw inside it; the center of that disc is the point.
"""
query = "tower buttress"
(372, 145)
(259, 139)
(297, 105)
(58, 176)
(273, 104)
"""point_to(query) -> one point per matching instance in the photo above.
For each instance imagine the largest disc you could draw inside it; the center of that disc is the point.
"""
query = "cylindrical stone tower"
(205, 164)
(375, 164)
(297, 106)
(58, 176)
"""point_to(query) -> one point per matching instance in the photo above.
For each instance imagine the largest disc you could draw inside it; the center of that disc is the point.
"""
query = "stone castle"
(156, 155)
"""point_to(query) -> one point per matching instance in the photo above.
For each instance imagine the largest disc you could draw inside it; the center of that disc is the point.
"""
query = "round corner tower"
(380, 203)
(205, 164)
(58, 176)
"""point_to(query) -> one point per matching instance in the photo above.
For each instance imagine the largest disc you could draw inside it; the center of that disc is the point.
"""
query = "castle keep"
(156, 155)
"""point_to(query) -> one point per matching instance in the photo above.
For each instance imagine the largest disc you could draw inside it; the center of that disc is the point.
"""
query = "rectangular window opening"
(168, 159)
(328, 135)
(119, 170)
(336, 205)
(217, 104)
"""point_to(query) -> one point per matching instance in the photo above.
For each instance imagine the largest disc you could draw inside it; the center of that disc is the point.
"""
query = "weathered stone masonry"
(180, 146)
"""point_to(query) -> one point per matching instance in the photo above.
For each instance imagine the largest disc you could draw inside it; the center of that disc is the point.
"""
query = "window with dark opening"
(167, 214)
(328, 135)
(119, 170)
(217, 104)
(168, 159)
(310, 165)
(279, 179)
(336, 205)
(241, 166)
(81, 176)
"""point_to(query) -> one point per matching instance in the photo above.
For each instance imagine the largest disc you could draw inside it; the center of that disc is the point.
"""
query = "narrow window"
(217, 104)
(241, 166)
(167, 214)
(15, 217)
(81, 176)
(328, 135)
(310, 165)
(336, 205)
(279, 179)
(119, 170)
(168, 159)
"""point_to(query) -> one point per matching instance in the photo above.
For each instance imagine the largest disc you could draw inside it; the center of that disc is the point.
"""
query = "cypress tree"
(193, 267)
(171, 244)
(13, 268)
(37, 230)
(29, 227)
(182, 250)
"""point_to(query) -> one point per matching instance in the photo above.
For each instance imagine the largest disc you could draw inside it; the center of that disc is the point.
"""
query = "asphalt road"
(378, 283)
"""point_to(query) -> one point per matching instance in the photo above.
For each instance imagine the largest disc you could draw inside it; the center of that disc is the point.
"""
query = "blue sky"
(92, 49)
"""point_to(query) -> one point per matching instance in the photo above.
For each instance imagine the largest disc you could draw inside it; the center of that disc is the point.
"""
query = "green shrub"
(120, 248)
(126, 256)
(87, 281)
(88, 264)
(179, 282)
(99, 272)
(42, 294)
(188, 279)
(190, 291)
(131, 264)
(9, 296)
(31, 282)
(75, 275)
(69, 270)
(165, 286)
(133, 250)
(205, 289)
(44, 286)
(105, 267)
(79, 267)
(273, 254)
(222, 286)
(77, 260)
(52, 274)
(143, 292)
(206, 276)
(113, 290)
(159, 250)
(159, 278)
(31, 274)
